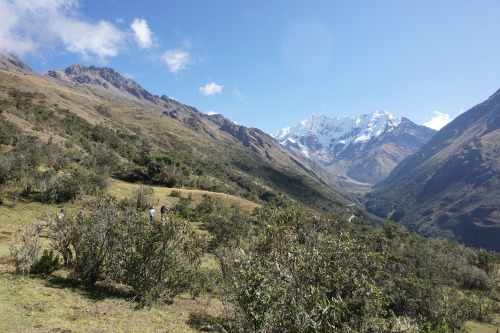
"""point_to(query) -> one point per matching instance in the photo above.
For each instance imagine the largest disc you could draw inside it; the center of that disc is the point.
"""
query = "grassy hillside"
(136, 141)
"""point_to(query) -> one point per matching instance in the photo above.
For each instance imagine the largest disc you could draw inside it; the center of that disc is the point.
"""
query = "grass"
(14, 217)
(37, 305)
(122, 189)
(477, 327)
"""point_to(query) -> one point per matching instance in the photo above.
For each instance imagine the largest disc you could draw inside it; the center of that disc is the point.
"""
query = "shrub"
(295, 279)
(182, 207)
(25, 251)
(48, 263)
(156, 261)
(143, 197)
(227, 225)
(161, 262)
(175, 194)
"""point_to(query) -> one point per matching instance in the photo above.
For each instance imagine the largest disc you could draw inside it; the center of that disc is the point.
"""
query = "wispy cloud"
(211, 88)
(439, 120)
(142, 34)
(176, 59)
(129, 76)
(211, 113)
(29, 26)
(238, 94)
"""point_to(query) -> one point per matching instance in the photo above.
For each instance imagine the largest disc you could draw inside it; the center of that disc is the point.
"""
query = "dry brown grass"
(122, 189)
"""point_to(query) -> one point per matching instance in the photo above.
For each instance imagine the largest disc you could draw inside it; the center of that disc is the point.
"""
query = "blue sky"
(270, 64)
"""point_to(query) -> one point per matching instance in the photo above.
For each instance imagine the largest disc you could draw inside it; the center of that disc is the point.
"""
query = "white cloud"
(176, 60)
(211, 113)
(439, 120)
(211, 88)
(102, 39)
(27, 25)
(10, 37)
(142, 34)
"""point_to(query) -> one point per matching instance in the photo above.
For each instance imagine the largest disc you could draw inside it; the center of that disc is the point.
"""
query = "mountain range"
(217, 153)
(450, 188)
(361, 149)
(443, 184)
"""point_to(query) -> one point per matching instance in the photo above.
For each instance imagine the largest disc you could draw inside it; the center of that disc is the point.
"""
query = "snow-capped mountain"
(365, 148)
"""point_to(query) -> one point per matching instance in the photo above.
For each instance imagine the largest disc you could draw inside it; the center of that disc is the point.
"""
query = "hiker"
(80, 215)
(164, 212)
(152, 214)
(62, 214)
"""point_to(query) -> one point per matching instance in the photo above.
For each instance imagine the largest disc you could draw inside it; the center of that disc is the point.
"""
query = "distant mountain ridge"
(219, 153)
(451, 186)
(365, 148)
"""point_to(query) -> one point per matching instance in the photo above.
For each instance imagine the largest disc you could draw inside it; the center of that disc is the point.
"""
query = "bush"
(175, 194)
(296, 279)
(143, 197)
(25, 251)
(156, 261)
(161, 262)
(305, 273)
(182, 208)
(227, 225)
(47, 264)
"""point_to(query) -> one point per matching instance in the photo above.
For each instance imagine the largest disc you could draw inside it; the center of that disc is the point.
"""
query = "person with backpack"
(164, 212)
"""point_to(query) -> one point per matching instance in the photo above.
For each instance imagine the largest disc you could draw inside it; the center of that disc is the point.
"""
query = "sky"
(270, 64)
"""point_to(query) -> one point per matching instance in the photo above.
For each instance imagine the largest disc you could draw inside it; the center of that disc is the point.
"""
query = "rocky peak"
(11, 61)
(366, 147)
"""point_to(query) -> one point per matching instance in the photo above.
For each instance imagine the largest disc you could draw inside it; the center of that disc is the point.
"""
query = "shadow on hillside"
(98, 292)
(205, 322)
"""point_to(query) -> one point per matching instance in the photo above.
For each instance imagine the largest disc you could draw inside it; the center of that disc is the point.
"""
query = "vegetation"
(308, 273)
(92, 152)
(281, 267)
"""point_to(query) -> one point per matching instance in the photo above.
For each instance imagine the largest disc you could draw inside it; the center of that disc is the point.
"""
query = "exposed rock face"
(451, 186)
(106, 78)
(10, 61)
(112, 82)
(364, 148)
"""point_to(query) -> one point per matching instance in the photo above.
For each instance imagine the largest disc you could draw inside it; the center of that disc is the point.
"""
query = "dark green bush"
(47, 264)
(175, 194)
(182, 208)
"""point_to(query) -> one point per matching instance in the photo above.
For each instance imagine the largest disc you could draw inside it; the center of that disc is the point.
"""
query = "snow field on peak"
(331, 131)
